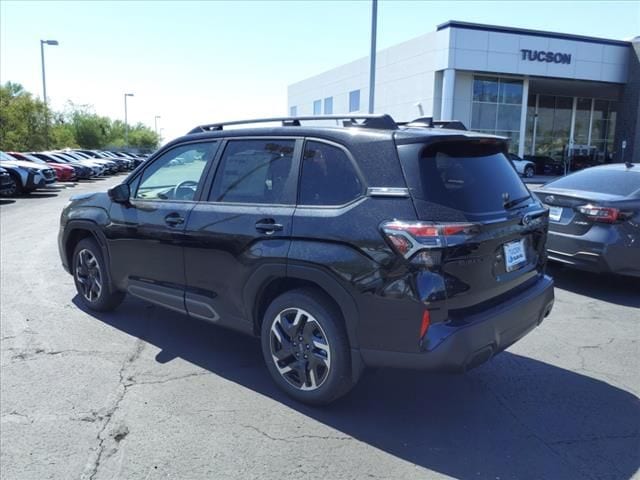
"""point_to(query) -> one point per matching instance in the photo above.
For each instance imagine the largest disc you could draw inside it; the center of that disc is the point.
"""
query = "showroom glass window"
(497, 104)
(317, 107)
(354, 101)
(328, 105)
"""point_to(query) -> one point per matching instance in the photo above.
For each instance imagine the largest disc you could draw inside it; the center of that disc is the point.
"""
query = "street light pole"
(126, 122)
(372, 65)
(44, 90)
(155, 122)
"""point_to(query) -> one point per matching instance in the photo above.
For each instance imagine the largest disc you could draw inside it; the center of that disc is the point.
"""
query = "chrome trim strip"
(399, 192)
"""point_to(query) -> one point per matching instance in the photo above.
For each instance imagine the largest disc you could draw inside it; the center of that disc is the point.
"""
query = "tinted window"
(175, 175)
(600, 180)
(317, 107)
(465, 176)
(328, 176)
(256, 171)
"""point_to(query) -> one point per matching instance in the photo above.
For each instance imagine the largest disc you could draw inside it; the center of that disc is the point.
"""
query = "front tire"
(91, 278)
(529, 171)
(306, 348)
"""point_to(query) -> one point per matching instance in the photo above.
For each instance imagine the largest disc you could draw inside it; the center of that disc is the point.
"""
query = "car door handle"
(268, 226)
(173, 219)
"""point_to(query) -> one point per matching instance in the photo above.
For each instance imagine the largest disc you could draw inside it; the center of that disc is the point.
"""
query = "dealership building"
(553, 94)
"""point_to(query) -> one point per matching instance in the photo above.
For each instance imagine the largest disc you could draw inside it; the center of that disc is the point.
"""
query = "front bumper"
(35, 181)
(462, 347)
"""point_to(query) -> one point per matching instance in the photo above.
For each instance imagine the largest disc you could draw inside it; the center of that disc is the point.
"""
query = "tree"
(22, 125)
(21, 119)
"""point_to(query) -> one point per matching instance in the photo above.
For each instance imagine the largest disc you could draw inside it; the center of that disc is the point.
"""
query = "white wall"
(404, 77)
(410, 72)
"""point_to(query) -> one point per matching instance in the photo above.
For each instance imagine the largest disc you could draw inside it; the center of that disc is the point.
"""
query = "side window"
(176, 174)
(328, 176)
(255, 171)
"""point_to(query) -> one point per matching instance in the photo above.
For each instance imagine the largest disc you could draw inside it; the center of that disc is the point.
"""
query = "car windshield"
(601, 180)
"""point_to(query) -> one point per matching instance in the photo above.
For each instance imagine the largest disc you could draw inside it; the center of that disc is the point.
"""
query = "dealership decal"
(544, 56)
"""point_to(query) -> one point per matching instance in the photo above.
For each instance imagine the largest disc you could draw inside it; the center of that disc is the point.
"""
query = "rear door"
(242, 225)
(472, 183)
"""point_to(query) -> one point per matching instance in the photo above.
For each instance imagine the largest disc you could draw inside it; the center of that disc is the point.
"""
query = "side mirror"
(120, 193)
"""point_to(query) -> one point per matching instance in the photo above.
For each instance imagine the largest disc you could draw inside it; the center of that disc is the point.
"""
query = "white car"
(525, 168)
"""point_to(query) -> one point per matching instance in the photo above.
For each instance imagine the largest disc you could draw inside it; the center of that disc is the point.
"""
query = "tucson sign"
(543, 56)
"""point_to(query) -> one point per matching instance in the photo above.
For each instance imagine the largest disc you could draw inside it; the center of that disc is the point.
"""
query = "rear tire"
(92, 279)
(529, 171)
(306, 348)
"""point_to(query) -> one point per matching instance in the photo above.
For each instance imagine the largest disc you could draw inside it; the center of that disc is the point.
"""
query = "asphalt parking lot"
(144, 393)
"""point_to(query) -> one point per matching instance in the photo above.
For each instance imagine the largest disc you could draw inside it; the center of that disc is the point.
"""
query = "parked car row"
(24, 172)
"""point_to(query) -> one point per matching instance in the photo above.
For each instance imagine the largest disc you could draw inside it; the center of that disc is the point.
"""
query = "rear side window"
(328, 176)
(468, 177)
(601, 180)
(256, 171)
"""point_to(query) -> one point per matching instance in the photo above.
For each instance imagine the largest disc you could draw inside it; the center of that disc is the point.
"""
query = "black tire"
(107, 298)
(16, 188)
(336, 379)
(529, 171)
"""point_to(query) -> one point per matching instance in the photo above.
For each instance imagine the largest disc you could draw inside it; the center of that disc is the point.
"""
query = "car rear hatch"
(490, 231)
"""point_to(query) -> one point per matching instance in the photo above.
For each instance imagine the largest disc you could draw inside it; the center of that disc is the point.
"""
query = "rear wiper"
(512, 203)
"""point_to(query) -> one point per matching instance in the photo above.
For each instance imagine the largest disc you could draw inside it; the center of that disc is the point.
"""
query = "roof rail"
(382, 122)
(428, 122)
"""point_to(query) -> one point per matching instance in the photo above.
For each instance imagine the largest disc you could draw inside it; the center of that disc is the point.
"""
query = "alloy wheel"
(300, 349)
(88, 275)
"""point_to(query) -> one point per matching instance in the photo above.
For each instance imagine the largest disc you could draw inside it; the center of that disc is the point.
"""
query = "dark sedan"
(594, 219)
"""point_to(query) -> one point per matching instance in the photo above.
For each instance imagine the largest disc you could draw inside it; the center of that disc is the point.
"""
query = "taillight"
(408, 238)
(424, 325)
(600, 214)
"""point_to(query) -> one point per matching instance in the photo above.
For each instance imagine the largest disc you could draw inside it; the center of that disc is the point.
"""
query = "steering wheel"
(185, 190)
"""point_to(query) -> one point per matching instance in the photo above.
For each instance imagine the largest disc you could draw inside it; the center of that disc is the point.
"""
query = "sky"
(201, 62)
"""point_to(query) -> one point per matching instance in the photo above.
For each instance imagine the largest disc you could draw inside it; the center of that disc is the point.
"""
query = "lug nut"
(305, 356)
(300, 338)
(308, 347)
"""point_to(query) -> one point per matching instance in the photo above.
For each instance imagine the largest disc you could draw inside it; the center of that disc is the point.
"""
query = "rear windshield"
(601, 180)
(468, 177)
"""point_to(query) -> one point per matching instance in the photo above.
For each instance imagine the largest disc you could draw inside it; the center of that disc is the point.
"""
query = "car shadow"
(515, 417)
(36, 195)
(610, 288)
(6, 201)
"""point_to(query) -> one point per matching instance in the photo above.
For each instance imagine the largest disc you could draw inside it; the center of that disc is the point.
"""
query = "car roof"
(345, 135)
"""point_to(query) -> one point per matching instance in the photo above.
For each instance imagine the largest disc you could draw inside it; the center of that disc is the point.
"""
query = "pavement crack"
(294, 437)
(167, 380)
(121, 431)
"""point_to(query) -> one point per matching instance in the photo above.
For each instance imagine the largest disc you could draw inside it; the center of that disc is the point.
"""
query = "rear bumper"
(601, 250)
(463, 347)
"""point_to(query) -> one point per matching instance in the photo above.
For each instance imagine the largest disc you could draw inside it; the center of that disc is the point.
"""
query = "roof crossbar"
(382, 122)
(428, 122)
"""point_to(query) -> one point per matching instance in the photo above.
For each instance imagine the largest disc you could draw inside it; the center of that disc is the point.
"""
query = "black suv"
(341, 247)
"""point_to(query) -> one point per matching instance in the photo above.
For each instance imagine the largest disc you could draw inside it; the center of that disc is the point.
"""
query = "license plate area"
(515, 255)
(555, 213)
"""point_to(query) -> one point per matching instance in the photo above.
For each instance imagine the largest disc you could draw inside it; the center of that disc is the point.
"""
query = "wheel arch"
(264, 287)
(76, 231)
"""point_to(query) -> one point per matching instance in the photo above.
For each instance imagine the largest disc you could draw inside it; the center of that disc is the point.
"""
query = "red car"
(64, 173)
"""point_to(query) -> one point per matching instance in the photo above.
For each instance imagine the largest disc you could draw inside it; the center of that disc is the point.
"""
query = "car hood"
(25, 164)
